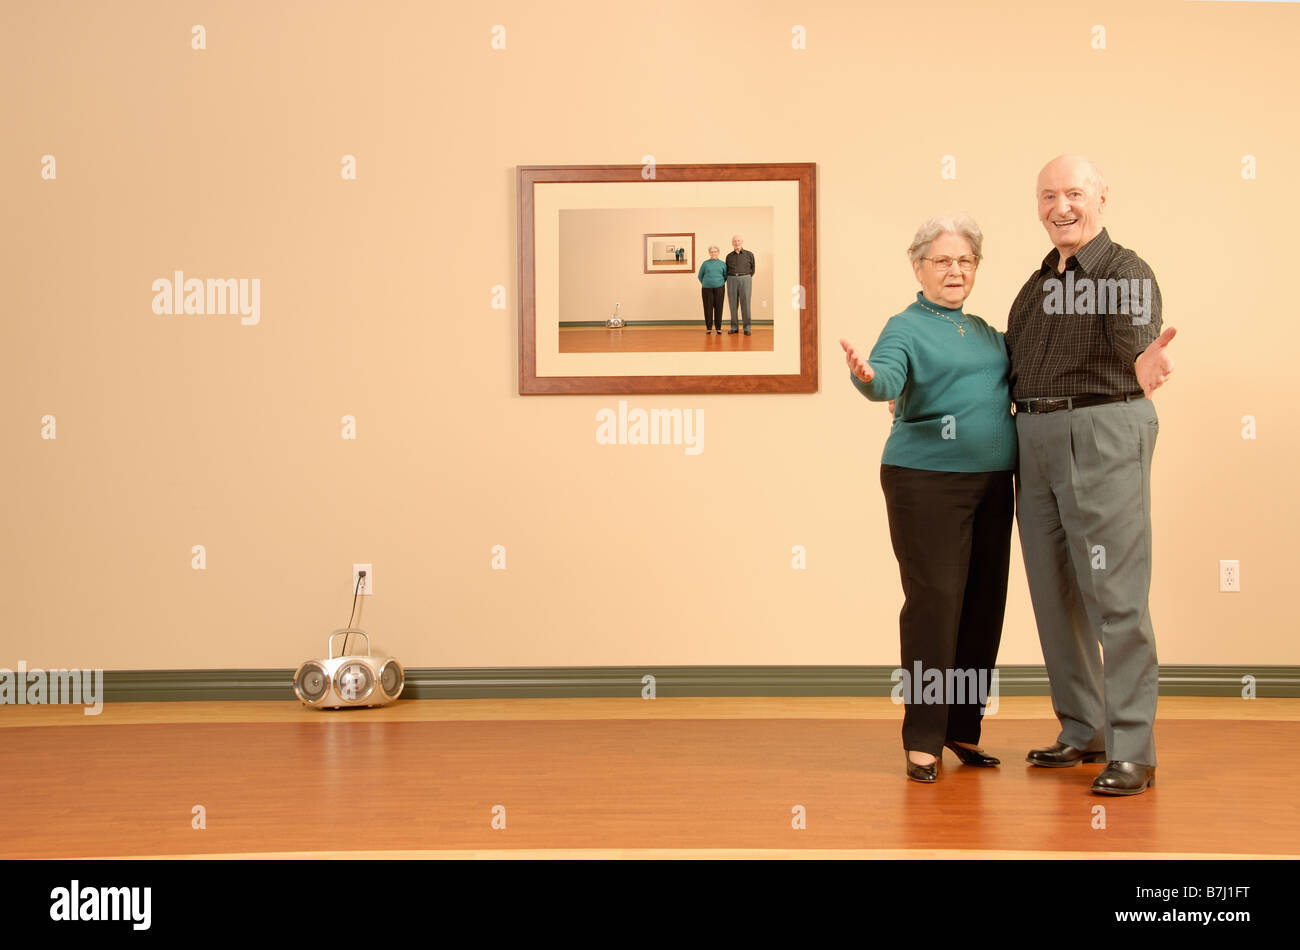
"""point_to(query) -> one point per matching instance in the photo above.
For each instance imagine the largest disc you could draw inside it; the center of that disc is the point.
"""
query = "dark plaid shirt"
(740, 263)
(1090, 351)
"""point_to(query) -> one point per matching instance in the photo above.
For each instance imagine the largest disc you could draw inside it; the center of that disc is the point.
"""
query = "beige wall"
(599, 263)
(376, 302)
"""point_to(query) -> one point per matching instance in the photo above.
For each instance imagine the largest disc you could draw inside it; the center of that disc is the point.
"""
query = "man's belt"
(1055, 403)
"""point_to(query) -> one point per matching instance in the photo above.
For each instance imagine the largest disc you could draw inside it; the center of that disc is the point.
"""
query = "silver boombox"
(353, 680)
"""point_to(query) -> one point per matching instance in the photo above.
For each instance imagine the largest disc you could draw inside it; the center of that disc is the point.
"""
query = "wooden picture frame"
(653, 265)
(790, 368)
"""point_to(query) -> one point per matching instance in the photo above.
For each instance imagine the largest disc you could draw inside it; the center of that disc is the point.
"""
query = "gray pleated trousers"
(739, 289)
(1083, 503)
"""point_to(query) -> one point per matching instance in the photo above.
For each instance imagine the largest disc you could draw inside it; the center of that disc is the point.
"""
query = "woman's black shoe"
(972, 756)
(921, 773)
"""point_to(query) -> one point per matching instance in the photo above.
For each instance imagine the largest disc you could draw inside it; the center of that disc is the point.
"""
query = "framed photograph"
(732, 247)
(669, 254)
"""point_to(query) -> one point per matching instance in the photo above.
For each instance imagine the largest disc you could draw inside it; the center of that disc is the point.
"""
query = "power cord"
(361, 577)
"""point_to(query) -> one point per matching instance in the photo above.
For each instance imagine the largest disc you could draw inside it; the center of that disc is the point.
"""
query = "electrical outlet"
(1230, 576)
(367, 582)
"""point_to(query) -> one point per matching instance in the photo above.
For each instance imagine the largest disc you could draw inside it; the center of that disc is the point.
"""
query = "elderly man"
(740, 281)
(1086, 354)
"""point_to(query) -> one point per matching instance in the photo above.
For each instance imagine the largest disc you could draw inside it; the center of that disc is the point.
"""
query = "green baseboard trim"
(597, 681)
(581, 324)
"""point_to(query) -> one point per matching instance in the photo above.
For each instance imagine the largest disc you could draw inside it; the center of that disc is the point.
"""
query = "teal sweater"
(953, 410)
(713, 273)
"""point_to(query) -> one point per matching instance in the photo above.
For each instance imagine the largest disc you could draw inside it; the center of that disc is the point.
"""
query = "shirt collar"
(932, 307)
(1087, 258)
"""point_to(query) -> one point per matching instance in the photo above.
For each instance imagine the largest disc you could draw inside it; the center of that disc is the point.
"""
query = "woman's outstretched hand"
(857, 365)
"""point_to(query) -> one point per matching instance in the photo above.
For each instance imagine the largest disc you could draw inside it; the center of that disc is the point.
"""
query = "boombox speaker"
(353, 680)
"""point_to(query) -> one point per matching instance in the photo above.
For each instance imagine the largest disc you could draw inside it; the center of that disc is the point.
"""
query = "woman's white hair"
(962, 225)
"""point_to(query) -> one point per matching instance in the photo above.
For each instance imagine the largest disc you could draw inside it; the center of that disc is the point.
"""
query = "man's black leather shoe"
(1124, 778)
(1058, 755)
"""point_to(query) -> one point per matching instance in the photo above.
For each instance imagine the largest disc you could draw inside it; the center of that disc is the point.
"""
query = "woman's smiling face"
(951, 286)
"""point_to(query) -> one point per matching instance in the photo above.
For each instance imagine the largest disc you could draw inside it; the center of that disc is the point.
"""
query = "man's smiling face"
(1071, 197)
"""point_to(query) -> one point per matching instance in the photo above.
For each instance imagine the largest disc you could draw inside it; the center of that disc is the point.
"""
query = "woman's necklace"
(960, 328)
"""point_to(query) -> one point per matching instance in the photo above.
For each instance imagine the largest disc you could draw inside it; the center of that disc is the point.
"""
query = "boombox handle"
(346, 630)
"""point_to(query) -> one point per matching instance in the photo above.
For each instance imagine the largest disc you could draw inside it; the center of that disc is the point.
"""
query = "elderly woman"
(947, 479)
(713, 280)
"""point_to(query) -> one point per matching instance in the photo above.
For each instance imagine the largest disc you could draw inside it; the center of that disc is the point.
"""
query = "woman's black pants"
(951, 533)
(713, 298)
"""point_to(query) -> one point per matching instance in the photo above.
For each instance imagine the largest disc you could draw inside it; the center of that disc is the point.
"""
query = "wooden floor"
(663, 340)
(620, 778)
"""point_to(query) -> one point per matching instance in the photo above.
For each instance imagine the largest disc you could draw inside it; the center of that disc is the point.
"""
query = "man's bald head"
(1079, 165)
(1071, 194)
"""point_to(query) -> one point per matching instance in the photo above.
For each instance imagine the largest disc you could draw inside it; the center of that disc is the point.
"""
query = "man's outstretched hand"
(1155, 365)
(857, 365)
